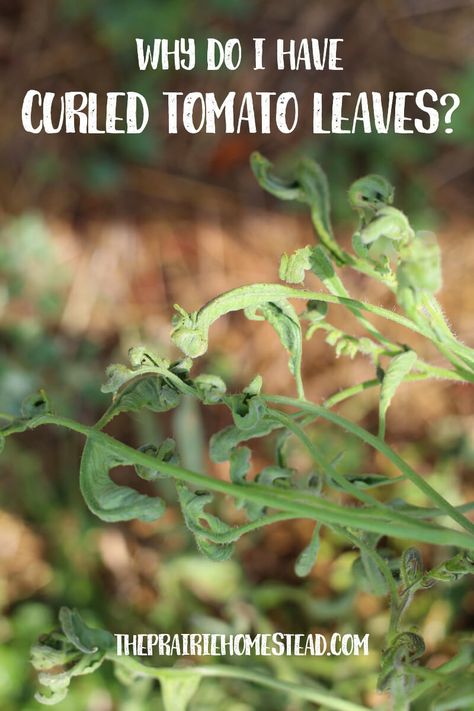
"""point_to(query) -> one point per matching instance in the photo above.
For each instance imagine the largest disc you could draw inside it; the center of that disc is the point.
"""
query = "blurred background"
(101, 235)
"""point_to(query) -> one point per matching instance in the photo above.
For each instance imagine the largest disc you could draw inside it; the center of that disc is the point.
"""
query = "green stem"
(344, 483)
(429, 371)
(381, 447)
(237, 531)
(386, 572)
(288, 501)
(316, 696)
(460, 661)
(435, 371)
(255, 294)
(423, 512)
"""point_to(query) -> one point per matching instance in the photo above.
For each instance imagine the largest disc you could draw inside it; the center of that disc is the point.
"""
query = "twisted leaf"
(165, 452)
(87, 639)
(192, 506)
(211, 388)
(223, 442)
(388, 223)
(309, 186)
(148, 391)
(294, 266)
(239, 464)
(307, 558)
(284, 319)
(105, 498)
(420, 265)
(411, 567)
(57, 660)
(369, 194)
(399, 367)
(405, 648)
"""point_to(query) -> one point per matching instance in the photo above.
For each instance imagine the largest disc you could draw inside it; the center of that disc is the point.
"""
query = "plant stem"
(327, 467)
(384, 569)
(221, 671)
(463, 659)
(255, 294)
(383, 448)
(237, 531)
(288, 501)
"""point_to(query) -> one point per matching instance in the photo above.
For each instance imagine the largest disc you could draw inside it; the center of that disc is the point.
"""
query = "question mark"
(449, 113)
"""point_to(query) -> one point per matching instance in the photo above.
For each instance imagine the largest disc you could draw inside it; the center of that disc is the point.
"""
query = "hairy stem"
(293, 502)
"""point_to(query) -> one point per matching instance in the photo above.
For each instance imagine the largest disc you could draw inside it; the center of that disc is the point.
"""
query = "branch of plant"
(255, 294)
(333, 474)
(285, 500)
(380, 446)
(317, 696)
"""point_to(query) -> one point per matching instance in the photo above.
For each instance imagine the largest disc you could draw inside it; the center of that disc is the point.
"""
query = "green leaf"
(187, 333)
(105, 498)
(307, 558)
(388, 223)
(223, 442)
(451, 570)
(411, 567)
(369, 194)
(177, 688)
(274, 475)
(57, 690)
(165, 452)
(211, 388)
(365, 481)
(281, 440)
(284, 189)
(269, 476)
(405, 648)
(294, 266)
(35, 405)
(246, 411)
(87, 639)
(361, 249)
(192, 505)
(53, 650)
(117, 375)
(375, 582)
(459, 695)
(396, 372)
(307, 185)
(57, 682)
(316, 311)
(57, 660)
(239, 464)
(152, 383)
(149, 391)
(420, 265)
(255, 386)
(323, 268)
(315, 193)
(284, 319)
(142, 356)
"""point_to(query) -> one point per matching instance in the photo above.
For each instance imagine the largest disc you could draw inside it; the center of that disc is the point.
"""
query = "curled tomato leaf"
(106, 499)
